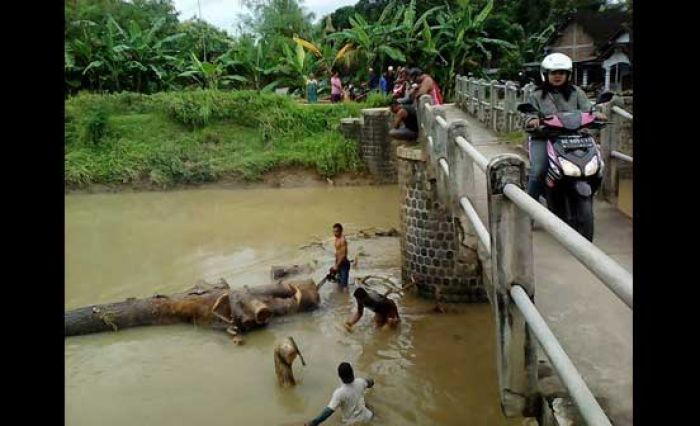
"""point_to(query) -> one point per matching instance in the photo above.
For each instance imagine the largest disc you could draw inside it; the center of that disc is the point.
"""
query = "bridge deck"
(592, 325)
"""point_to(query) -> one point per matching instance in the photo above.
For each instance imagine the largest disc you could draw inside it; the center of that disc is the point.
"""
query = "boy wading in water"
(342, 264)
(349, 397)
(385, 310)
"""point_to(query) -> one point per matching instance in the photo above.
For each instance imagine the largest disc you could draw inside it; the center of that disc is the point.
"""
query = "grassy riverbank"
(200, 136)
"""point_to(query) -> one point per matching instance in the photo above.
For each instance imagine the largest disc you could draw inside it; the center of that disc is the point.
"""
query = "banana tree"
(253, 60)
(326, 55)
(369, 42)
(90, 59)
(211, 75)
(462, 40)
(294, 66)
(144, 55)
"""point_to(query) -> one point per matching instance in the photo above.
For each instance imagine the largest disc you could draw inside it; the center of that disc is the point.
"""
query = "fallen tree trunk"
(216, 306)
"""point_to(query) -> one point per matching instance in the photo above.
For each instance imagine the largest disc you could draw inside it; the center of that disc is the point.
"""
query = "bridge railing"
(612, 144)
(493, 103)
(504, 245)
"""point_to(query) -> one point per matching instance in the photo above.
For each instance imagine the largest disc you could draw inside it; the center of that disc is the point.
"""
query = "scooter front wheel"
(582, 215)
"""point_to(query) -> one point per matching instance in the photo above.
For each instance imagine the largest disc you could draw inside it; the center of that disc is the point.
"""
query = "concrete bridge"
(593, 326)
(563, 306)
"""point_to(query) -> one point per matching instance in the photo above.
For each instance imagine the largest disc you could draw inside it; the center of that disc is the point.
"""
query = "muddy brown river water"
(436, 369)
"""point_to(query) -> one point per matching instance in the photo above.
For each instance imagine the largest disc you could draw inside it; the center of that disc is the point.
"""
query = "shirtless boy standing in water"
(342, 264)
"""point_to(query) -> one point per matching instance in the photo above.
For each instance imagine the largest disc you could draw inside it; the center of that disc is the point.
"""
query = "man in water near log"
(349, 397)
(385, 310)
(342, 264)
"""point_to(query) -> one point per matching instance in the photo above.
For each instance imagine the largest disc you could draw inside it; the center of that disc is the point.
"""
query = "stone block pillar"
(351, 128)
(376, 148)
(430, 237)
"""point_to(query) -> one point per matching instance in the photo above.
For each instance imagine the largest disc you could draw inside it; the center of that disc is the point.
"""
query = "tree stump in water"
(284, 354)
(216, 306)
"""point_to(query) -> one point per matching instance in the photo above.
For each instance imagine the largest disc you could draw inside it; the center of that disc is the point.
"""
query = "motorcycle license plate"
(575, 142)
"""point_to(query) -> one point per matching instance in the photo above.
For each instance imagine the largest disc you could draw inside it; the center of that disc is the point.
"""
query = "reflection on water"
(435, 369)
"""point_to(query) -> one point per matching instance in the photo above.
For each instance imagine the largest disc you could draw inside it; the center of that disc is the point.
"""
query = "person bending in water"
(349, 397)
(385, 310)
(342, 264)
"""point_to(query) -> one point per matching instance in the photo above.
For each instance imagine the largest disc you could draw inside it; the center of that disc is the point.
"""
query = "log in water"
(209, 305)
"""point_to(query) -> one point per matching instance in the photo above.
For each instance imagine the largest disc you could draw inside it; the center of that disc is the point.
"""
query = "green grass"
(199, 136)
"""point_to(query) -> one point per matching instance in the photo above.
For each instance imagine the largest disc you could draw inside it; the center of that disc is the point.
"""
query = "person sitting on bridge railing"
(426, 86)
(406, 115)
(555, 94)
(399, 89)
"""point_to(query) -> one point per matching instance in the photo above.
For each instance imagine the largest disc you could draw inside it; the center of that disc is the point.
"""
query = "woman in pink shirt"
(336, 87)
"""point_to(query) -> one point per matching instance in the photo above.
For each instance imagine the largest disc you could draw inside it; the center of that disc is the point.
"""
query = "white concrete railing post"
(511, 263)
(439, 133)
(482, 99)
(476, 98)
(510, 106)
(424, 119)
(608, 143)
(461, 92)
(493, 95)
(461, 182)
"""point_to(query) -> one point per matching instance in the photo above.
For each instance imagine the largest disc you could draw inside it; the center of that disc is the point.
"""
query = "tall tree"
(285, 18)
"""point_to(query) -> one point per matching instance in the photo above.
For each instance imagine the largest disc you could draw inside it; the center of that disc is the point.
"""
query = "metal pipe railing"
(445, 166)
(478, 225)
(472, 152)
(622, 112)
(441, 121)
(621, 156)
(582, 396)
(614, 276)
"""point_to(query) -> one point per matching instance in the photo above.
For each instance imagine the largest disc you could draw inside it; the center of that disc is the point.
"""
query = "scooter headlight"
(591, 167)
(569, 168)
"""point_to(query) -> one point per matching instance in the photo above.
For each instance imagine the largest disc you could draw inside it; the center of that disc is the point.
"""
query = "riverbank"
(190, 138)
(283, 177)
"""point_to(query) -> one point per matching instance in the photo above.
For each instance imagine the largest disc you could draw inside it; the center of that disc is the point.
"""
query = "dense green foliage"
(116, 45)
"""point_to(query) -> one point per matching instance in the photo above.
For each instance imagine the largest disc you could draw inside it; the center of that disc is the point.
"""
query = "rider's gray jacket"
(554, 102)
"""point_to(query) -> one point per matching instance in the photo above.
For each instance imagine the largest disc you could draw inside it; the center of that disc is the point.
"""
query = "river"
(436, 369)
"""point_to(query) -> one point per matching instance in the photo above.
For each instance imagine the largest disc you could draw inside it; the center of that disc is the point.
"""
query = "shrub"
(94, 125)
(377, 100)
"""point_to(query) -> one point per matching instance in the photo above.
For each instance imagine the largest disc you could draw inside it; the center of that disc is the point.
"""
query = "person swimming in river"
(342, 264)
(385, 310)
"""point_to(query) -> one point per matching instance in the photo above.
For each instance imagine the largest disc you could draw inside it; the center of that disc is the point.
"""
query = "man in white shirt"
(349, 397)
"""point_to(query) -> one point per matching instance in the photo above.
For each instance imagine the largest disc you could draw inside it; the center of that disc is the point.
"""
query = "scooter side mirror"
(527, 108)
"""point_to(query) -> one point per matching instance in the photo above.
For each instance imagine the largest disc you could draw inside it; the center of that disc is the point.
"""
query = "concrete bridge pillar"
(376, 148)
(430, 237)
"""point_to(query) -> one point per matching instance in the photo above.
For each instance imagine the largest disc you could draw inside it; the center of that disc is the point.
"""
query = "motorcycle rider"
(555, 94)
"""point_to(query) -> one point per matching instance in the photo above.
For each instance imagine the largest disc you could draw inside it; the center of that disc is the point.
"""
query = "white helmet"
(555, 62)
